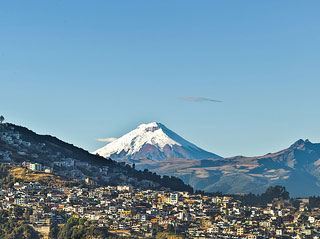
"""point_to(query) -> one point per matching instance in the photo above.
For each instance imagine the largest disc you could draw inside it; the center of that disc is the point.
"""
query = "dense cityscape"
(124, 211)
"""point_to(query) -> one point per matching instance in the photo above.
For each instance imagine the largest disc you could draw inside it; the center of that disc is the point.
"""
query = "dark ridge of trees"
(213, 194)
(174, 183)
(263, 199)
(256, 199)
(314, 202)
(266, 197)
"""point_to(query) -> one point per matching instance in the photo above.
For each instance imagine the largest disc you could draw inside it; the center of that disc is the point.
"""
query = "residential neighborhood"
(130, 212)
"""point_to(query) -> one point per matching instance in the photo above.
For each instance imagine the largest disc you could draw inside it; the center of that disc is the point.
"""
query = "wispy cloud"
(198, 99)
(106, 140)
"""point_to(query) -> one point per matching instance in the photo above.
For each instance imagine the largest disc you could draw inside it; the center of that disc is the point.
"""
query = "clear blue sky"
(82, 70)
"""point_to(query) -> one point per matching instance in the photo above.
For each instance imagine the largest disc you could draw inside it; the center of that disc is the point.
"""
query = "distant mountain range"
(155, 142)
(157, 148)
(297, 168)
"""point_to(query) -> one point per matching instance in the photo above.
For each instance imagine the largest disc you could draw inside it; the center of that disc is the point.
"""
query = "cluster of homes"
(9, 137)
(128, 211)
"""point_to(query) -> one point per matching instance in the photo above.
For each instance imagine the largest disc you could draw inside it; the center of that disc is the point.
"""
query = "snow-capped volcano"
(155, 142)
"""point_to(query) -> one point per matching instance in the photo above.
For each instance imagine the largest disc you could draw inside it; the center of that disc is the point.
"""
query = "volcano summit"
(155, 142)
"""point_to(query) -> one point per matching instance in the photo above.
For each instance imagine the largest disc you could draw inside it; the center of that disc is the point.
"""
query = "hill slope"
(19, 144)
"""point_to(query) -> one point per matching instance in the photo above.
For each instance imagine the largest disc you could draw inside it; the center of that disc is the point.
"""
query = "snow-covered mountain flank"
(155, 142)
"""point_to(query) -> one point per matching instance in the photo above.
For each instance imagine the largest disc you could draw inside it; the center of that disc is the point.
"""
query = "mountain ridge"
(296, 167)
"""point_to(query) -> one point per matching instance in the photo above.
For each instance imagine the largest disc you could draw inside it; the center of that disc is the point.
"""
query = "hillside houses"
(130, 211)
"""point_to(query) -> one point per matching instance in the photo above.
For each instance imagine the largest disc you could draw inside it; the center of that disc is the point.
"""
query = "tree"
(17, 211)
(10, 228)
(266, 197)
(276, 192)
(1, 119)
(80, 228)
(54, 231)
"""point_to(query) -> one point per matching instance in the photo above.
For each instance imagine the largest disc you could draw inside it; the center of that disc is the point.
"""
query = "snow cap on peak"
(151, 127)
(151, 137)
(152, 124)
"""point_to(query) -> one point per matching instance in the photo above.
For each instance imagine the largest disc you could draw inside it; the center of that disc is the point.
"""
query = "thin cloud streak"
(199, 99)
(106, 140)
